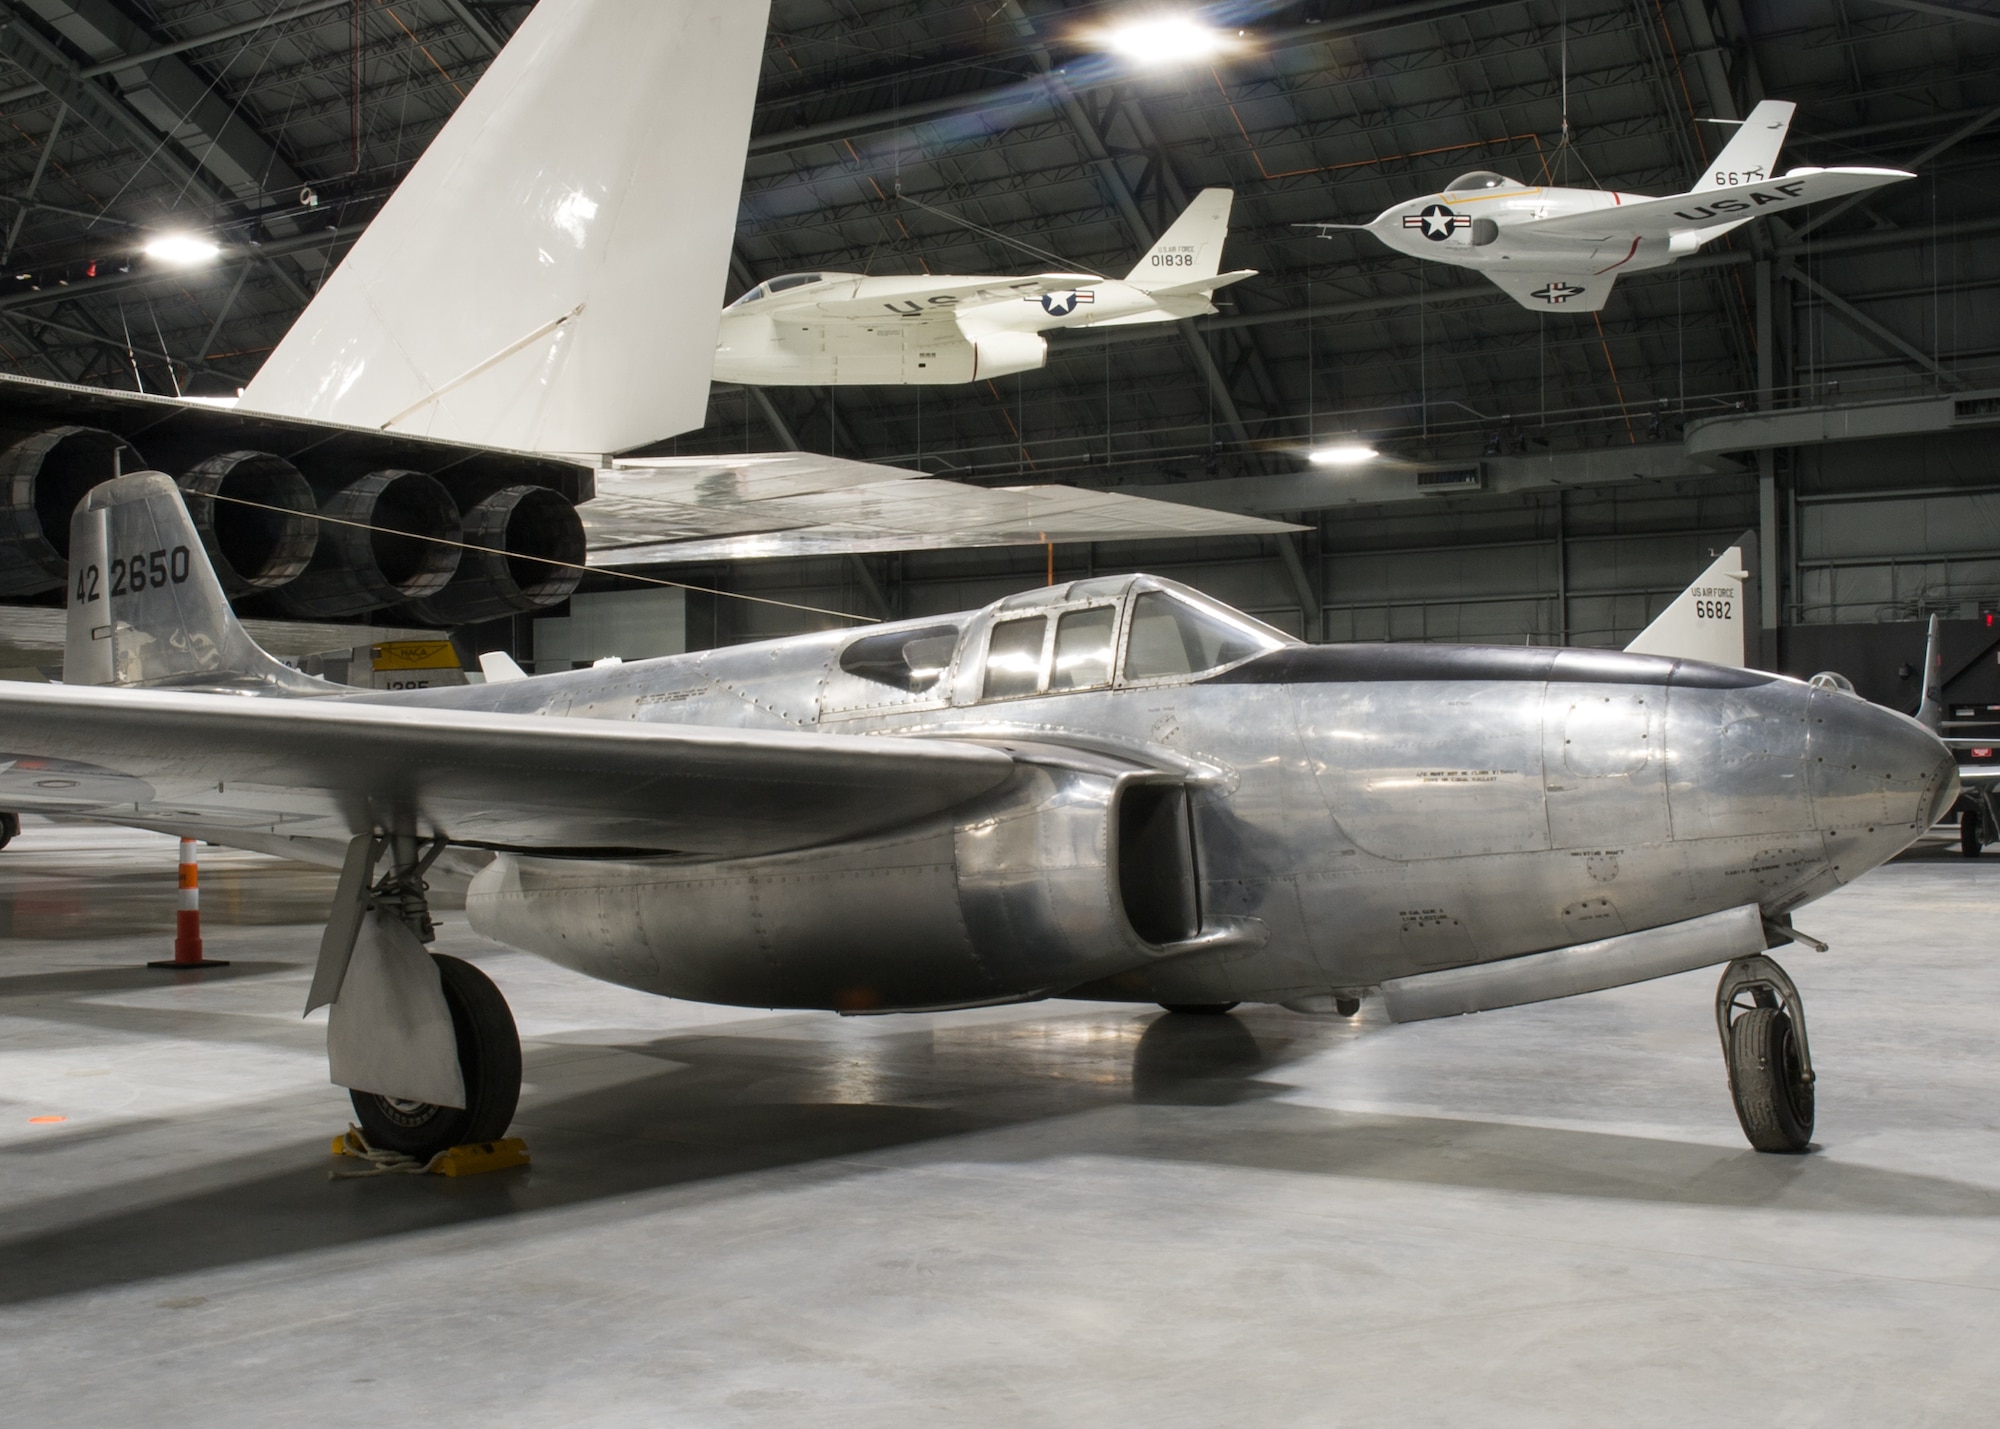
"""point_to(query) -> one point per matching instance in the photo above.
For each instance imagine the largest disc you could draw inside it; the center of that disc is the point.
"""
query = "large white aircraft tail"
(1707, 620)
(1191, 250)
(1753, 154)
(549, 276)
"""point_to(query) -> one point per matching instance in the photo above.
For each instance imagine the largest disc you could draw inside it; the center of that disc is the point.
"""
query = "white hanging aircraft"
(845, 329)
(1562, 249)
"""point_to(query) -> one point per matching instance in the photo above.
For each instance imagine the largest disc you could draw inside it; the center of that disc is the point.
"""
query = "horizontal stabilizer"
(1201, 287)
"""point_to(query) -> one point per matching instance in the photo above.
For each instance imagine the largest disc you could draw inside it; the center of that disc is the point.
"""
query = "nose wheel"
(1762, 1022)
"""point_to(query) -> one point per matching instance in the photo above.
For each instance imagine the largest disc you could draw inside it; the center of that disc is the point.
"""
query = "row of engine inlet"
(381, 540)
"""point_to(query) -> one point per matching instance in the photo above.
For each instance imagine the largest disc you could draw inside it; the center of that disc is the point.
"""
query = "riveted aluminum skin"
(1357, 814)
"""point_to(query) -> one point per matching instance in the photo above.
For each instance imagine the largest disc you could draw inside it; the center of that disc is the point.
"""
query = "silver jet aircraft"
(1108, 789)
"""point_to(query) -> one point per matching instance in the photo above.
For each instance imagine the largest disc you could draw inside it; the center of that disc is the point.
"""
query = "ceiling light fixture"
(1165, 40)
(182, 250)
(1342, 454)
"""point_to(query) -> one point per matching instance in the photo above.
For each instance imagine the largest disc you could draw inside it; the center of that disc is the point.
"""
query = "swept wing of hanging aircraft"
(1562, 249)
(838, 329)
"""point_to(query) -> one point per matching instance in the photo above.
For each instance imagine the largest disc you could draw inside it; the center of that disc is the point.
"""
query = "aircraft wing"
(943, 295)
(333, 768)
(1661, 218)
(689, 509)
(1578, 291)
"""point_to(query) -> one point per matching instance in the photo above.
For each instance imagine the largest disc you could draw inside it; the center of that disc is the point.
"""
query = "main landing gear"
(403, 1016)
(10, 828)
(489, 1058)
(1968, 833)
(1762, 1022)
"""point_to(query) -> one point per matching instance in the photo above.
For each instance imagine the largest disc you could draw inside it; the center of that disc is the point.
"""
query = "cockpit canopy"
(1482, 181)
(784, 285)
(1103, 633)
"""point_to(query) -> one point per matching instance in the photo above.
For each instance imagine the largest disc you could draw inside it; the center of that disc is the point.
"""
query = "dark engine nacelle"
(524, 551)
(311, 543)
(391, 537)
(255, 514)
(42, 478)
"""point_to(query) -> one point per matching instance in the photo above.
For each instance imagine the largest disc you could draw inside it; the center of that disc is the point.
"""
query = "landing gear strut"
(1762, 1022)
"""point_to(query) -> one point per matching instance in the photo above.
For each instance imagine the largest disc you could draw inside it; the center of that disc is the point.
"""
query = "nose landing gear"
(1762, 1023)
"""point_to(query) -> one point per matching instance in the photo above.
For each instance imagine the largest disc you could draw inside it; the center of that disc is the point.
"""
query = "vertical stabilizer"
(1753, 154)
(1192, 248)
(145, 607)
(1706, 621)
(549, 276)
(1930, 711)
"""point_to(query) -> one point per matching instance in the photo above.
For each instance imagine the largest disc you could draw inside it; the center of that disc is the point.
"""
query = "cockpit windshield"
(778, 285)
(1479, 180)
(1094, 634)
(1171, 637)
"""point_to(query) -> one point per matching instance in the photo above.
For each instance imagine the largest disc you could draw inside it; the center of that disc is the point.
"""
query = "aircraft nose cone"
(1879, 779)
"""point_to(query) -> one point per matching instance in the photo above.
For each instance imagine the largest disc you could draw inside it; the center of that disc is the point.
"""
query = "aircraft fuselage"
(1353, 814)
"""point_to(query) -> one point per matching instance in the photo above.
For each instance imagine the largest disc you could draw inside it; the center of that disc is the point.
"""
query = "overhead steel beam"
(1963, 132)
(1126, 202)
(34, 183)
(118, 282)
(1883, 337)
(160, 52)
(475, 26)
(1949, 12)
(173, 103)
(1009, 95)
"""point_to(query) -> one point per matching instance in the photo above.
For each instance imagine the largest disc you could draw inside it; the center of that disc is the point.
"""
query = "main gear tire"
(10, 828)
(1774, 1099)
(1968, 833)
(1200, 1009)
(489, 1059)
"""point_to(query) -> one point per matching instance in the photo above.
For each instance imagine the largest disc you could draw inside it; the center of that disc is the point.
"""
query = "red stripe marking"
(1626, 259)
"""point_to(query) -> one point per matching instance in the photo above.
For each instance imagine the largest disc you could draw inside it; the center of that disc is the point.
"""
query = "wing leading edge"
(1708, 210)
(333, 768)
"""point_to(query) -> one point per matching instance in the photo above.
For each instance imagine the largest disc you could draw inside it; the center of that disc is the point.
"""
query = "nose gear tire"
(489, 1059)
(1774, 1101)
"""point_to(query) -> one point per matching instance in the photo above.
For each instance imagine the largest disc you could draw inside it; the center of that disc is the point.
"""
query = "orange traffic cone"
(187, 918)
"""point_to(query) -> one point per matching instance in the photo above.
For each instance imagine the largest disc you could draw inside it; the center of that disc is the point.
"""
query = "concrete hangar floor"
(1061, 1213)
